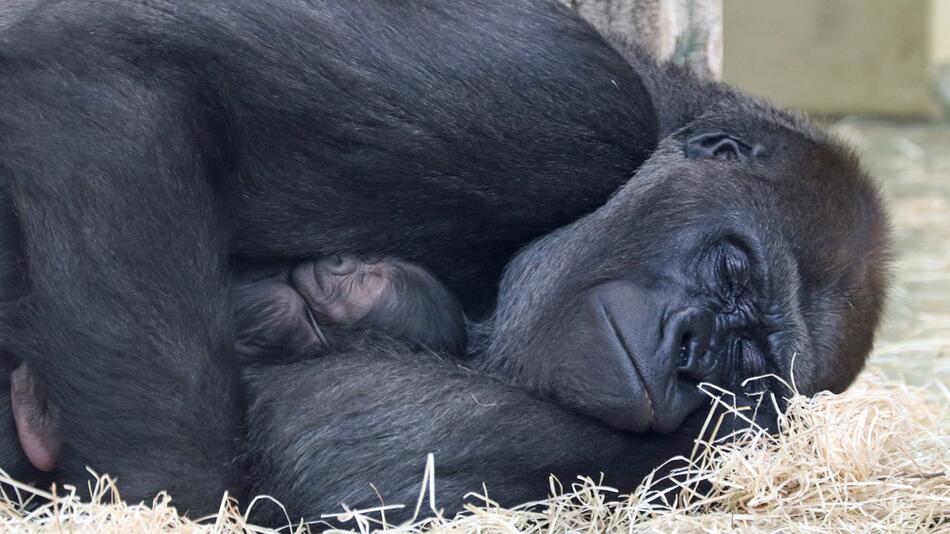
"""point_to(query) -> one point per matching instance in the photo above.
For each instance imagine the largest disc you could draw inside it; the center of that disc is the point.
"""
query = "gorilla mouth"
(621, 344)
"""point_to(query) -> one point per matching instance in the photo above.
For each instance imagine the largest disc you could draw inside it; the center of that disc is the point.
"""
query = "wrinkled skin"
(272, 322)
(12, 457)
(343, 289)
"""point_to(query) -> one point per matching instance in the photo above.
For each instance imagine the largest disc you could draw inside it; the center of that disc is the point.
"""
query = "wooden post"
(687, 32)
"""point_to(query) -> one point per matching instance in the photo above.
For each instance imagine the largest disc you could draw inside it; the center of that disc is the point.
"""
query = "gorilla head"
(750, 243)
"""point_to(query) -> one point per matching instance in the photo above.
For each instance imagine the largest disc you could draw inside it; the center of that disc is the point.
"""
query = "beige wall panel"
(835, 56)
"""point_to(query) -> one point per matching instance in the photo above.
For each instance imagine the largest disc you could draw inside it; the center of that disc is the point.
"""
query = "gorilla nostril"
(693, 332)
(685, 344)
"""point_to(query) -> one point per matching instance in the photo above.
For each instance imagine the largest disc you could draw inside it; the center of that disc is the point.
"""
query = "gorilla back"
(438, 119)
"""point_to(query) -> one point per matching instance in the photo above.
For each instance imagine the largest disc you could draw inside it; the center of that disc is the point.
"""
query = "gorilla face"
(729, 255)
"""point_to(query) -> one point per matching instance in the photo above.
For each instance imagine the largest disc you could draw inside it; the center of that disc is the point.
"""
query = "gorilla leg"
(321, 432)
(126, 324)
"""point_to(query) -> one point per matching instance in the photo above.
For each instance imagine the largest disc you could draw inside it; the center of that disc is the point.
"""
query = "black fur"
(349, 429)
(149, 147)
(419, 311)
(12, 460)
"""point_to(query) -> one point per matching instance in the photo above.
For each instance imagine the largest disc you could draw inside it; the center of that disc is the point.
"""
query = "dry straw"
(874, 459)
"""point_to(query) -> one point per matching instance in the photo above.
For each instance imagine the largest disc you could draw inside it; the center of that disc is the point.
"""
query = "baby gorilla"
(320, 303)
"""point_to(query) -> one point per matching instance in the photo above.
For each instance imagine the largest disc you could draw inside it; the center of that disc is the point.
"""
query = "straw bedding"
(874, 459)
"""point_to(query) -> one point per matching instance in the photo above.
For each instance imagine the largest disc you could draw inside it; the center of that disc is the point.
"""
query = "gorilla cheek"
(593, 375)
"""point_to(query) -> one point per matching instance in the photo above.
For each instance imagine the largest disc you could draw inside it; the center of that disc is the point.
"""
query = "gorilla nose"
(683, 358)
(687, 336)
(633, 365)
(340, 265)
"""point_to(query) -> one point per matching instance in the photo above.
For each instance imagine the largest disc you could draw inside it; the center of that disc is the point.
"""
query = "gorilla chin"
(706, 285)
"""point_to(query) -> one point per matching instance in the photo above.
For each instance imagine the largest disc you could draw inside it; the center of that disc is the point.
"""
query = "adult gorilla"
(146, 147)
(696, 270)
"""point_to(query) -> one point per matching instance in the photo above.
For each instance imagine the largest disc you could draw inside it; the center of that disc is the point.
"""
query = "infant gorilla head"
(325, 301)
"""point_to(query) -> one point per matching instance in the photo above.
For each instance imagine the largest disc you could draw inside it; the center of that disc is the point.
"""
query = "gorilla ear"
(721, 146)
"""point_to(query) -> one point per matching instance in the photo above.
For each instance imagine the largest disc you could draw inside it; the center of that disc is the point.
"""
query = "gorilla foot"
(34, 424)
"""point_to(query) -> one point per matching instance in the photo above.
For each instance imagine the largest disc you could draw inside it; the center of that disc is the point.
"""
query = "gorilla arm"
(322, 431)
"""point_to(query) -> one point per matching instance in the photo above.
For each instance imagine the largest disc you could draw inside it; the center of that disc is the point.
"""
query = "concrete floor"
(912, 164)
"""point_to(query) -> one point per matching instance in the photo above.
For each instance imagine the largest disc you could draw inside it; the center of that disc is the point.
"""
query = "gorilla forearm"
(322, 431)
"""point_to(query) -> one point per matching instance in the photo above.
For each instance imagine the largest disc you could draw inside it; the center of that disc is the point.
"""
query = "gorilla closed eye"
(721, 146)
(733, 270)
(730, 269)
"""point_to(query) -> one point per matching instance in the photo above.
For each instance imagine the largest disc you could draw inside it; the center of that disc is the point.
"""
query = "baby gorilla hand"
(273, 322)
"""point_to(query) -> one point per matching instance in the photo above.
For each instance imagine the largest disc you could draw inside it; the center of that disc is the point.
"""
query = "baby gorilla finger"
(273, 322)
